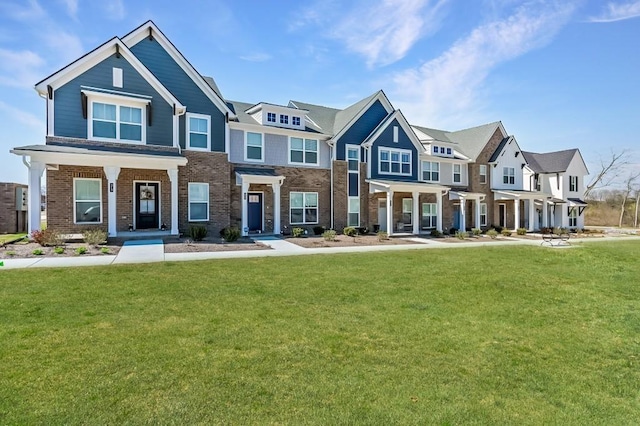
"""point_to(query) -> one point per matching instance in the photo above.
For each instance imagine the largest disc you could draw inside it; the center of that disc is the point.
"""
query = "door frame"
(382, 202)
(262, 202)
(135, 202)
(500, 207)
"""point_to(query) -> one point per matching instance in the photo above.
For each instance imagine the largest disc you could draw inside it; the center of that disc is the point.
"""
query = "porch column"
(245, 209)
(463, 216)
(112, 172)
(516, 204)
(173, 177)
(532, 214)
(35, 175)
(477, 221)
(553, 216)
(545, 213)
(439, 207)
(389, 212)
(415, 216)
(276, 206)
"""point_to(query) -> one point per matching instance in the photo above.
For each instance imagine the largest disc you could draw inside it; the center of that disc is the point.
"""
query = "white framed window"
(254, 147)
(303, 208)
(353, 158)
(436, 149)
(457, 173)
(394, 162)
(271, 117)
(449, 151)
(431, 171)
(353, 170)
(508, 175)
(573, 184)
(116, 118)
(483, 214)
(429, 215)
(573, 217)
(442, 150)
(407, 211)
(284, 119)
(295, 121)
(198, 132)
(87, 200)
(483, 173)
(117, 77)
(198, 202)
(395, 134)
(303, 151)
(353, 214)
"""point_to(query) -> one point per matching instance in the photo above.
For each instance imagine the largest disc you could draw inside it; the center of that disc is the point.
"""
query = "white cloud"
(68, 46)
(23, 117)
(19, 68)
(32, 11)
(445, 90)
(115, 9)
(256, 57)
(72, 7)
(382, 33)
(618, 12)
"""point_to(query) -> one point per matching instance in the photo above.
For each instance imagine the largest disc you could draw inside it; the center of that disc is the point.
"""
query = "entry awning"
(464, 195)
(501, 194)
(576, 202)
(376, 185)
(155, 158)
(257, 175)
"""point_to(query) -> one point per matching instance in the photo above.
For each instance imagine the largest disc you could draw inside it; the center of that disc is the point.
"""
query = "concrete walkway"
(146, 251)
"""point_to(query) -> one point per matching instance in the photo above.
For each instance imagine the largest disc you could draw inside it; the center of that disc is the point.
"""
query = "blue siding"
(171, 75)
(386, 140)
(68, 108)
(362, 128)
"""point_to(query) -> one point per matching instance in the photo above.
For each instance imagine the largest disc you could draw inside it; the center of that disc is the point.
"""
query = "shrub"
(297, 232)
(329, 235)
(94, 237)
(38, 252)
(11, 253)
(436, 234)
(104, 250)
(318, 230)
(461, 235)
(47, 237)
(476, 232)
(492, 233)
(350, 231)
(382, 236)
(506, 232)
(521, 231)
(81, 250)
(198, 232)
(230, 234)
(498, 228)
(58, 250)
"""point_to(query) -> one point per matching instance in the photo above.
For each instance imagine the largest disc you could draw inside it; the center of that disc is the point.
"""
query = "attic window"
(117, 77)
(271, 117)
(295, 121)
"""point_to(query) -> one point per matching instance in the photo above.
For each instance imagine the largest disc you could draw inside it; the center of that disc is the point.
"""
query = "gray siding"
(171, 75)
(362, 128)
(68, 120)
(276, 151)
(386, 140)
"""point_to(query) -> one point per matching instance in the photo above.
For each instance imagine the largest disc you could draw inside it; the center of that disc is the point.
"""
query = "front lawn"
(8, 238)
(489, 335)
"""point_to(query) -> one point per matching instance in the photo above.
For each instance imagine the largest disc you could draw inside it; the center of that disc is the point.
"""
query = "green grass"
(9, 238)
(494, 335)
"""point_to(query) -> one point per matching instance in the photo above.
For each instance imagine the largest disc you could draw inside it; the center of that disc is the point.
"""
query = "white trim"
(118, 79)
(506, 173)
(118, 101)
(500, 207)
(187, 139)
(453, 173)
(50, 114)
(395, 134)
(135, 200)
(485, 174)
(399, 151)
(262, 202)
(404, 211)
(254, 160)
(380, 95)
(304, 222)
(103, 91)
(421, 177)
(349, 199)
(433, 215)
(189, 219)
(397, 115)
(75, 222)
(486, 214)
(259, 128)
(304, 151)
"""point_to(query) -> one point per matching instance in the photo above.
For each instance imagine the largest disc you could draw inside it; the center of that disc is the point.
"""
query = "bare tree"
(635, 217)
(608, 171)
(629, 186)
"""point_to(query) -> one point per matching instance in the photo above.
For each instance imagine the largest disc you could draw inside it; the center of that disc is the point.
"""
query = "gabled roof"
(396, 115)
(499, 148)
(212, 83)
(97, 55)
(323, 117)
(435, 134)
(550, 162)
(241, 116)
(149, 28)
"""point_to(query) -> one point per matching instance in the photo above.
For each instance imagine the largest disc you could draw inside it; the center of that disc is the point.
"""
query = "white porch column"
(516, 204)
(545, 213)
(35, 175)
(415, 215)
(532, 214)
(553, 216)
(390, 212)
(439, 217)
(463, 216)
(173, 177)
(477, 203)
(276, 206)
(112, 172)
(245, 209)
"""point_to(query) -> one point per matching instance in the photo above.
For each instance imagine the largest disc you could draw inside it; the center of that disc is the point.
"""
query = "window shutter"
(83, 101)
(149, 114)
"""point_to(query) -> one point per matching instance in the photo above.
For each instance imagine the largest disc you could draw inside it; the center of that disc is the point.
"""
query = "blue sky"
(558, 73)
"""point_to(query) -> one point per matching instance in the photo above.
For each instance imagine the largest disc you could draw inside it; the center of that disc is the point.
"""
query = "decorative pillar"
(173, 177)
(415, 214)
(545, 213)
(245, 208)
(463, 216)
(112, 172)
(477, 221)
(532, 214)
(36, 169)
(276, 206)
(439, 207)
(516, 204)
(389, 212)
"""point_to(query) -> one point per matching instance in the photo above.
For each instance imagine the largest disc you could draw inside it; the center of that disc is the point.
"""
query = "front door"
(502, 208)
(382, 214)
(147, 205)
(255, 211)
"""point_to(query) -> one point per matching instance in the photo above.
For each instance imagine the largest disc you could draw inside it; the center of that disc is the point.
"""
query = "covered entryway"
(255, 212)
(529, 198)
(147, 205)
(460, 215)
(253, 202)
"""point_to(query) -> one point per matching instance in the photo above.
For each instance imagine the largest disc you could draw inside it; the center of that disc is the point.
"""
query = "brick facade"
(11, 220)
(485, 188)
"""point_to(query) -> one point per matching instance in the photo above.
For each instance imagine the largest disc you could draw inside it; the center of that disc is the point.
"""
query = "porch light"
(130, 228)
(163, 227)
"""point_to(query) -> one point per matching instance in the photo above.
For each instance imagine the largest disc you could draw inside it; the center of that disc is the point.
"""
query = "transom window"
(457, 173)
(284, 119)
(198, 202)
(303, 151)
(483, 173)
(573, 184)
(271, 117)
(87, 200)
(509, 175)
(254, 147)
(295, 121)
(303, 208)
(116, 122)
(198, 135)
(395, 162)
(429, 215)
(431, 171)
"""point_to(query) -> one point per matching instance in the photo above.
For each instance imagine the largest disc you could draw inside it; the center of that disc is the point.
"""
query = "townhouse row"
(137, 139)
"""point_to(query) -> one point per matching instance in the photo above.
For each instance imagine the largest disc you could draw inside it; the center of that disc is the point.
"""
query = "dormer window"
(436, 149)
(509, 176)
(284, 119)
(295, 121)
(449, 151)
(271, 117)
(441, 150)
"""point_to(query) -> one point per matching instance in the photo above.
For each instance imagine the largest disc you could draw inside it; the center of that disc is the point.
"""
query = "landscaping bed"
(25, 249)
(345, 241)
(187, 245)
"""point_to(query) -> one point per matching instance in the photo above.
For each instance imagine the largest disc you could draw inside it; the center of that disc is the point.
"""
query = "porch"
(253, 217)
(534, 218)
(464, 198)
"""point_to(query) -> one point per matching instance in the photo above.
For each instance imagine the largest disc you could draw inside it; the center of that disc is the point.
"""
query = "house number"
(111, 187)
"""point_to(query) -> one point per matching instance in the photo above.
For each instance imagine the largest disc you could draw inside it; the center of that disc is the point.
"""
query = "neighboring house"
(13, 208)
(137, 139)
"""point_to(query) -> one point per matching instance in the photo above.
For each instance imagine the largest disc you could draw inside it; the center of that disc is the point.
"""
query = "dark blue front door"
(255, 211)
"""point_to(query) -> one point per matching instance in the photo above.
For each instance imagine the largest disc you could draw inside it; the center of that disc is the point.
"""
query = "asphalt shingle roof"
(470, 141)
(550, 162)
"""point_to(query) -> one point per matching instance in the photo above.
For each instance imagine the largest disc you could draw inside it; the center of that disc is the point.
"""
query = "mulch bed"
(24, 249)
(344, 241)
(185, 245)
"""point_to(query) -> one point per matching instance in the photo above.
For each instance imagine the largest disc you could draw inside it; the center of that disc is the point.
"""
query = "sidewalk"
(147, 251)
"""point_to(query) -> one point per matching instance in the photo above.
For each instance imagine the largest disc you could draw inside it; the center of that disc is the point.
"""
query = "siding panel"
(362, 128)
(404, 142)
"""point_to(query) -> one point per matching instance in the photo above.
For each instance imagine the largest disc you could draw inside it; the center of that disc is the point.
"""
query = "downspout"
(331, 155)
(25, 162)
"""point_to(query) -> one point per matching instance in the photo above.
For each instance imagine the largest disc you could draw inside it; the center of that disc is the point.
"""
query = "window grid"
(431, 171)
(509, 175)
(303, 208)
(429, 215)
(254, 147)
(87, 200)
(394, 162)
(457, 173)
(483, 214)
(271, 117)
(198, 202)
(303, 151)
(295, 121)
(483, 173)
